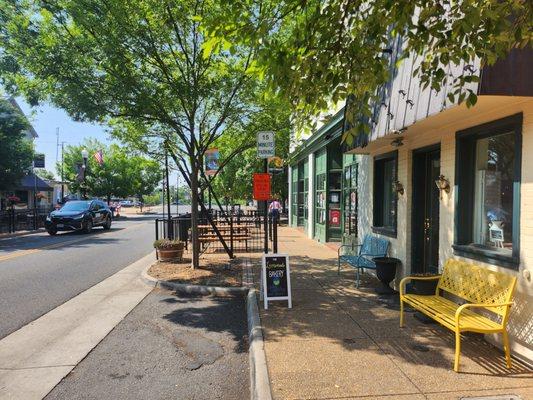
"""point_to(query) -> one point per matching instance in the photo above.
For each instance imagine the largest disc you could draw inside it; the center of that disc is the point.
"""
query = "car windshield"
(76, 206)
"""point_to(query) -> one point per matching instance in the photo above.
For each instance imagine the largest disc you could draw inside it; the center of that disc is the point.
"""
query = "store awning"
(30, 182)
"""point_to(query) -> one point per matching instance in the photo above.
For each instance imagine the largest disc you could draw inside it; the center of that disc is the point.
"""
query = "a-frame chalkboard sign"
(276, 278)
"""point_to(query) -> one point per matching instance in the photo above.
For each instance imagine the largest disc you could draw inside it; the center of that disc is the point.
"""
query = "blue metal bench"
(372, 247)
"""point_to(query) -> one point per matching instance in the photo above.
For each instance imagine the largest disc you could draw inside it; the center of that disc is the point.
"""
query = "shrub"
(167, 244)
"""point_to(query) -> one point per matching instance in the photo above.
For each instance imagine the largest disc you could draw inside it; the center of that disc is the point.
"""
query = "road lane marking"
(26, 252)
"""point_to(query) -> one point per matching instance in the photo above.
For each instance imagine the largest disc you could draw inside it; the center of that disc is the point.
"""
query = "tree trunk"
(194, 216)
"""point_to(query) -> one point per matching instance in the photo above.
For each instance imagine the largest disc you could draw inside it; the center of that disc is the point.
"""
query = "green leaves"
(16, 151)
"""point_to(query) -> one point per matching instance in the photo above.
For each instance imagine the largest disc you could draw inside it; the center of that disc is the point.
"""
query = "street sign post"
(262, 186)
(266, 144)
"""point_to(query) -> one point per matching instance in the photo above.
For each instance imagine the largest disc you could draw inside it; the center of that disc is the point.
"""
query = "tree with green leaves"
(44, 174)
(120, 175)
(233, 180)
(16, 151)
(318, 53)
(147, 64)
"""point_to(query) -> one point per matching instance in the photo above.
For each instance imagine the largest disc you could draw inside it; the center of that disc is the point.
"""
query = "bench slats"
(444, 310)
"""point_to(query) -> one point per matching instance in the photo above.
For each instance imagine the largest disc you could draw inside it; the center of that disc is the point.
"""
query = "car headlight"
(78, 216)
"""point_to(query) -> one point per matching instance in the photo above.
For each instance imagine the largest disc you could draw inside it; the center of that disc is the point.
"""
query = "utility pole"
(62, 169)
(177, 193)
(170, 233)
(265, 209)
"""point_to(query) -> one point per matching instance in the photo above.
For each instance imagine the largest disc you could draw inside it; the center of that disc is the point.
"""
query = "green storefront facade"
(323, 186)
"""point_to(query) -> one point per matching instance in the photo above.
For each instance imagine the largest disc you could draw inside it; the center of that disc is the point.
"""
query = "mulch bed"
(212, 272)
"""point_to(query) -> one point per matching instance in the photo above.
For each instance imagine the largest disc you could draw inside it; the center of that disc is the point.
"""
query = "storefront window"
(488, 157)
(321, 198)
(493, 200)
(385, 199)
(350, 200)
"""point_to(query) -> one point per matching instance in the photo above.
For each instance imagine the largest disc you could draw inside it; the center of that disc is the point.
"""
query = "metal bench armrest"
(404, 281)
(480, 305)
(353, 246)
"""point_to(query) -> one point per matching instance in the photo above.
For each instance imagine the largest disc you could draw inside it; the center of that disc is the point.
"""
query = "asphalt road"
(168, 347)
(40, 272)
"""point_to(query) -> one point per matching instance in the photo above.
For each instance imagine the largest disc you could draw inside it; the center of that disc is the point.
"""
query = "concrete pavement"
(40, 272)
(339, 342)
(36, 357)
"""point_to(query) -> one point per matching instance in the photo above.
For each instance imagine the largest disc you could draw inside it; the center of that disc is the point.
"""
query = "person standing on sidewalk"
(274, 208)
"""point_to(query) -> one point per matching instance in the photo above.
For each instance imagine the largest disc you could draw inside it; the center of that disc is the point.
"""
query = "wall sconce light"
(443, 185)
(398, 187)
(397, 142)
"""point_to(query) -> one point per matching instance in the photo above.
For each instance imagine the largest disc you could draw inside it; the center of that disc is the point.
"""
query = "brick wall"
(441, 129)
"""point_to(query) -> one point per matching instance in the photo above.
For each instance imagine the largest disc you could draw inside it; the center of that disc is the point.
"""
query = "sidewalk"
(342, 342)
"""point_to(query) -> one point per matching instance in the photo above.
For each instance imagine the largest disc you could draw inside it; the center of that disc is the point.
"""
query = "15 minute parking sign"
(266, 145)
(276, 278)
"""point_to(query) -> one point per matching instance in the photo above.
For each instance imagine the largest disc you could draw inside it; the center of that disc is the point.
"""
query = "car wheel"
(107, 223)
(88, 226)
(52, 232)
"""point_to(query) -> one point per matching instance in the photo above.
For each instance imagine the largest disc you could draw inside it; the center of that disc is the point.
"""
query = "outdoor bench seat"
(236, 238)
(481, 288)
(371, 247)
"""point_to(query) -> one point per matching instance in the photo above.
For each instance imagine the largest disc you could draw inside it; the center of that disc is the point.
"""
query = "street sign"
(261, 186)
(38, 160)
(276, 278)
(266, 144)
(212, 157)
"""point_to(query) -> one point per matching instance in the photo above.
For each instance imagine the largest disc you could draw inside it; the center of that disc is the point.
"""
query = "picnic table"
(240, 234)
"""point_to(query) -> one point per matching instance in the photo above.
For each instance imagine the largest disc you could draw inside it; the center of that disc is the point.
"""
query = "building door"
(425, 210)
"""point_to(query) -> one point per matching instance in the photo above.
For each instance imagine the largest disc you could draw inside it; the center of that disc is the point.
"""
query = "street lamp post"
(85, 156)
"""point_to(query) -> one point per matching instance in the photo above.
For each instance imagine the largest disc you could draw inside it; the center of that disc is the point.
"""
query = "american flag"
(99, 157)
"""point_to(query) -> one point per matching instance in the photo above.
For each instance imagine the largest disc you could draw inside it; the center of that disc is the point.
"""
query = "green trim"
(465, 186)
(333, 128)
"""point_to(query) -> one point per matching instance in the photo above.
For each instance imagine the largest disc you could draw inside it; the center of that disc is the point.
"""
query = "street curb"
(259, 379)
(193, 289)
(22, 233)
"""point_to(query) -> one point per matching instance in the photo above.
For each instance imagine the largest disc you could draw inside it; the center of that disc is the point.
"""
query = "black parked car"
(79, 215)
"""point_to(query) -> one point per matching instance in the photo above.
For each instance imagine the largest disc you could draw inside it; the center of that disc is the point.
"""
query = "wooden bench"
(372, 247)
(211, 238)
(481, 288)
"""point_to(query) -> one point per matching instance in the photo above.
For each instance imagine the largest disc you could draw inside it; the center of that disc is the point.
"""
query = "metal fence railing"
(26, 219)
(241, 231)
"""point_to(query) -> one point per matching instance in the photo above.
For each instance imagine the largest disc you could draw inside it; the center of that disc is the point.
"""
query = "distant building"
(32, 190)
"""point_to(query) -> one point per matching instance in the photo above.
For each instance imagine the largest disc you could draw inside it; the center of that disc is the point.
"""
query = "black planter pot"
(386, 272)
(424, 287)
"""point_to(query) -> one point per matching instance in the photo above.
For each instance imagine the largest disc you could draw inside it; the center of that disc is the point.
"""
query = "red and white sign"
(334, 217)
(261, 186)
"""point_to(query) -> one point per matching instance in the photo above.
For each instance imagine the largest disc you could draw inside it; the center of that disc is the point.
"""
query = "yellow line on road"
(21, 253)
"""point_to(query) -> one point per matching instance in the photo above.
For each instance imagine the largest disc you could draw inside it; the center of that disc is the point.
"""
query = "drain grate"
(498, 397)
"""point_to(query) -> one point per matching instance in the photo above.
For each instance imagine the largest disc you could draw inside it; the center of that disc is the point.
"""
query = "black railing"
(26, 219)
(241, 231)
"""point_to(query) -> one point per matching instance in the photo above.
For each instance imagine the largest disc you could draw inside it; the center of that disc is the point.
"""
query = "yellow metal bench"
(482, 289)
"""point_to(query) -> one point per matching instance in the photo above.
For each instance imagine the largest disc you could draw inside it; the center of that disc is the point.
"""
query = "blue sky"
(46, 119)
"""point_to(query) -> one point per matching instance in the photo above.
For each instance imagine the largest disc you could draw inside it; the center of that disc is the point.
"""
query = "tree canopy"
(318, 53)
(120, 175)
(16, 151)
(144, 63)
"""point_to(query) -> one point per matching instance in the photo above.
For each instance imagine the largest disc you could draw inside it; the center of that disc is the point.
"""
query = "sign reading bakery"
(276, 278)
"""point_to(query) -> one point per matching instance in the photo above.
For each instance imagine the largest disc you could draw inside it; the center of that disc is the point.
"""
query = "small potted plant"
(12, 200)
(169, 250)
